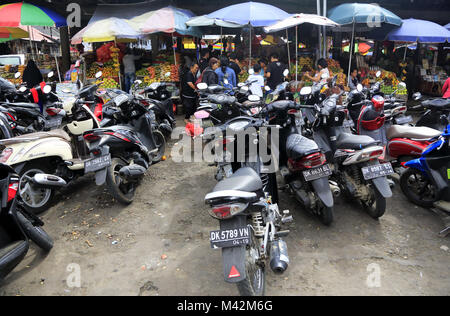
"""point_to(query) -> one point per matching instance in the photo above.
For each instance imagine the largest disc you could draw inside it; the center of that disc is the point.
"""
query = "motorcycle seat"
(250, 104)
(298, 146)
(282, 105)
(411, 132)
(350, 141)
(245, 179)
(438, 104)
(59, 133)
(23, 105)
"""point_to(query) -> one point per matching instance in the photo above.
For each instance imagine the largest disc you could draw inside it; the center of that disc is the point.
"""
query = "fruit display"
(334, 66)
(109, 83)
(157, 73)
(115, 54)
(243, 76)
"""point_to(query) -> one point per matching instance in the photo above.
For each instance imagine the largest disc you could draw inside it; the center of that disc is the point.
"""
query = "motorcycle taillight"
(227, 211)
(12, 191)
(91, 137)
(308, 162)
(373, 125)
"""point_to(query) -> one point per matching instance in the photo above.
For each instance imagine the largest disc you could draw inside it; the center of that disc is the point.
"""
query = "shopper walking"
(129, 69)
(190, 91)
(274, 73)
(227, 76)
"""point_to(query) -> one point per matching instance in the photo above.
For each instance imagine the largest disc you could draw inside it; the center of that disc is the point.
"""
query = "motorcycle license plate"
(317, 173)
(404, 120)
(97, 164)
(230, 238)
(53, 122)
(377, 171)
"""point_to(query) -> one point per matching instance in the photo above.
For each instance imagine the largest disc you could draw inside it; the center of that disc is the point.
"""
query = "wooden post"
(65, 48)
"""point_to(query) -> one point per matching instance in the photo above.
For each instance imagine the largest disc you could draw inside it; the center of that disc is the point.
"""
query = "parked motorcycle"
(60, 152)
(17, 226)
(302, 164)
(406, 143)
(426, 181)
(249, 231)
(356, 168)
(121, 154)
(437, 112)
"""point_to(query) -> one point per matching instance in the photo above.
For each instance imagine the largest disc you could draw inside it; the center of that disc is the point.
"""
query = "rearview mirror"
(17, 75)
(225, 81)
(359, 87)
(138, 82)
(417, 96)
(167, 74)
(22, 89)
(378, 74)
(267, 88)
(98, 74)
(50, 74)
(202, 86)
(286, 72)
(306, 91)
(402, 86)
(47, 89)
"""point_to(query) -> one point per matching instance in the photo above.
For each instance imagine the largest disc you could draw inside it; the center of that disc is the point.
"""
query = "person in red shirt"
(446, 89)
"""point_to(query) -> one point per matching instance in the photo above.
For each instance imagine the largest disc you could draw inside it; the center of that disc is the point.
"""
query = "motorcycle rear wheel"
(254, 283)
(122, 190)
(376, 207)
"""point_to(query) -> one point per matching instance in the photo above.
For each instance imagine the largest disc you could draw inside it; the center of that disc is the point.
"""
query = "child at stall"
(257, 87)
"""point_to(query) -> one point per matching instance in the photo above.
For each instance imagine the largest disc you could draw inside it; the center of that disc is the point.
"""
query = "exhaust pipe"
(279, 258)
(132, 172)
(335, 189)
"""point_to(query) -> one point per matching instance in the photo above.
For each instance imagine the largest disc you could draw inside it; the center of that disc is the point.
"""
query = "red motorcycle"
(406, 143)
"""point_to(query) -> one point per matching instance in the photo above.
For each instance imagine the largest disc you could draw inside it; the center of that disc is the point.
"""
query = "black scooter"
(437, 112)
(17, 226)
(123, 153)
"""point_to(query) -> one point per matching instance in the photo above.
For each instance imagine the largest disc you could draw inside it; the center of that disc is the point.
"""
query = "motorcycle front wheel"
(418, 188)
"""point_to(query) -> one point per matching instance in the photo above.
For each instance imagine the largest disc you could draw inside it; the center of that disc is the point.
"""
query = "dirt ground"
(159, 245)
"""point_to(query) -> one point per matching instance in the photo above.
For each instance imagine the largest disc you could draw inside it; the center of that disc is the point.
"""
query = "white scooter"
(61, 152)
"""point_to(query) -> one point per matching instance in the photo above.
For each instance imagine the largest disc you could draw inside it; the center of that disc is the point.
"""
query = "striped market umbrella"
(11, 33)
(17, 14)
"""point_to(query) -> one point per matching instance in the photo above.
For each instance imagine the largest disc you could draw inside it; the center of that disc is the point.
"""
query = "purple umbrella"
(421, 31)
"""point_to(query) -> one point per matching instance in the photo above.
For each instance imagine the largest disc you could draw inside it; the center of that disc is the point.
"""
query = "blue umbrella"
(362, 17)
(421, 31)
(366, 16)
(254, 13)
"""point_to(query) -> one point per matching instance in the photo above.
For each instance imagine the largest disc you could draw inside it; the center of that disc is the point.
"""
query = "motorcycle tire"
(161, 144)
(121, 191)
(380, 205)
(254, 283)
(35, 233)
(30, 169)
(412, 196)
(326, 215)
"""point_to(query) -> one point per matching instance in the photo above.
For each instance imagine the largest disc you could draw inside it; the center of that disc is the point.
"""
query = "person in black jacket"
(32, 75)
(234, 64)
(209, 74)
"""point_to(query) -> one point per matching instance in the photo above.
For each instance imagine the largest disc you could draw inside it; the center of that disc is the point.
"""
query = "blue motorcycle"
(426, 182)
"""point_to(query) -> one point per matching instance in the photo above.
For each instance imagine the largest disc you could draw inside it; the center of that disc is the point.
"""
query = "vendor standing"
(323, 74)
(354, 81)
(274, 73)
(129, 69)
(189, 91)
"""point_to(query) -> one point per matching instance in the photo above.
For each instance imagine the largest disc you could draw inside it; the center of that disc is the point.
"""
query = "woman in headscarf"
(32, 76)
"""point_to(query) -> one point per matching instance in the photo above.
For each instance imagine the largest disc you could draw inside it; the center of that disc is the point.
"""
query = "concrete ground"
(159, 245)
